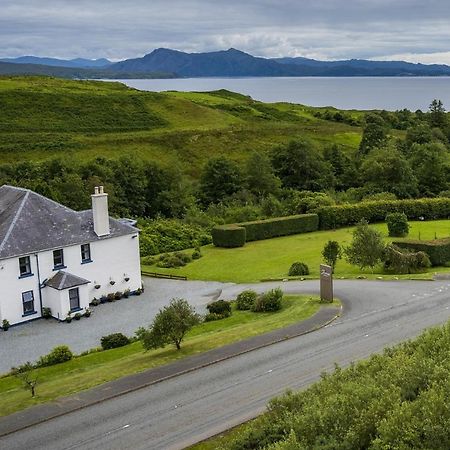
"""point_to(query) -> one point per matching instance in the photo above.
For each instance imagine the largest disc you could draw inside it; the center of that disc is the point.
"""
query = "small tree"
(26, 374)
(331, 253)
(366, 248)
(397, 224)
(170, 325)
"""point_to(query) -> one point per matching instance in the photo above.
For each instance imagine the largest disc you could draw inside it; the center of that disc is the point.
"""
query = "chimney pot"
(101, 190)
(96, 190)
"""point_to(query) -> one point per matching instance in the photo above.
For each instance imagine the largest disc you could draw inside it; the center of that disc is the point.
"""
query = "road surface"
(183, 410)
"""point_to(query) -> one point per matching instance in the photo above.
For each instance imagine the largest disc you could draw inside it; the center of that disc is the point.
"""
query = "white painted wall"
(113, 259)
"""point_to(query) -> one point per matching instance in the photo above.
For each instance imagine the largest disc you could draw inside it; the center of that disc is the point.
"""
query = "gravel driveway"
(29, 341)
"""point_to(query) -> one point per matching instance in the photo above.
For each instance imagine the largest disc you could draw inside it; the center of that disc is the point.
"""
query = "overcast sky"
(414, 30)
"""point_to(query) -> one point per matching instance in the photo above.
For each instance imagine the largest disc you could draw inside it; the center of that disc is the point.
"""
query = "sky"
(412, 30)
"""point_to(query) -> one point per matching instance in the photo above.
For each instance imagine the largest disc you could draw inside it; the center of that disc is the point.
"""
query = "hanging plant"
(127, 279)
(112, 282)
(97, 286)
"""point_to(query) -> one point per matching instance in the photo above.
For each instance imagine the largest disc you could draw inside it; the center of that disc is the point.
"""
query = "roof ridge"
(14, 221)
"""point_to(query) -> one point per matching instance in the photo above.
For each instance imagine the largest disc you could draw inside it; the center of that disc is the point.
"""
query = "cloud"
(322, 29)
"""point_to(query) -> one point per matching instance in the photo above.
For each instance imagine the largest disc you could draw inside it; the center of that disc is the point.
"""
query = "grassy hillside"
(46, 117)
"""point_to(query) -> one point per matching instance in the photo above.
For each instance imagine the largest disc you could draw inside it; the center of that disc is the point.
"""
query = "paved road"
(183, 410)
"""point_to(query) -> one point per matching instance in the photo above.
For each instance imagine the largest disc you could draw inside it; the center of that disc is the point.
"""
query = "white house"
(54, 257)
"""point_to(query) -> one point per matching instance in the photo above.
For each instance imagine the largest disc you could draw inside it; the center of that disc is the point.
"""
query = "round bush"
(245, 300)
(214, 316)
(219, 307)
(397, 224)
(298, 269)
(114, 340)
(269, 301)
(58, 355)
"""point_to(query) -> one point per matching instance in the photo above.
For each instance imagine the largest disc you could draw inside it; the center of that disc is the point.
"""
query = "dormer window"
(58, 259)
(25, 266)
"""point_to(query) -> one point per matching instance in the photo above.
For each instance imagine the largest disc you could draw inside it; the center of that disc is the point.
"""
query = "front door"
(74, 299)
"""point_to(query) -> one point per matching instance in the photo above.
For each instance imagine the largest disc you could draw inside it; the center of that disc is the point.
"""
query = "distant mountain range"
(165, 63)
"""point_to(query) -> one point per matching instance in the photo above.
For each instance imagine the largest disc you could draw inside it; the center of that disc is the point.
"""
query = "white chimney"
(100, 211)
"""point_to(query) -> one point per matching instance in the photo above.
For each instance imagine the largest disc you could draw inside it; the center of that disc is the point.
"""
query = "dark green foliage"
(298, 269)
(170, 325)
(347, 215)
(302, 202)
(269, 301)
(196, 254)
(400, 261)
(374, 134)
(245, 300)
(229, 236)
(366, 248)
(438, 250)
(438, 118)
(301, 166)
(397, 224)
(219, 307)
(259, 176)
(211, 317)
(58, 355)
(331, 253)
(280, 226)
(220, 179)
(387, 170)
(177, 259)
(397, 400)
(114, 340)
(235, 235)
(168, 235)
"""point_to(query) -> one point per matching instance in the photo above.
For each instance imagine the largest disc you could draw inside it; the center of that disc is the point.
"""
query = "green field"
(44, 118)
(271, 259)
(96, 368)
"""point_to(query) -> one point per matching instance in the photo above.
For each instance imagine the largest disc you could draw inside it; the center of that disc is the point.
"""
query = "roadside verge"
(122, 386)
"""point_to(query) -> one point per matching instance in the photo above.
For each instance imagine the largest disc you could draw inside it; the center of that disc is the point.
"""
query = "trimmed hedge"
(331, 217)
(228, 236)
(280, 226)
(236, 235)
(438, 250)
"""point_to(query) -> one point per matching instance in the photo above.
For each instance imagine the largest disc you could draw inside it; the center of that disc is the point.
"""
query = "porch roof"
(64, 280)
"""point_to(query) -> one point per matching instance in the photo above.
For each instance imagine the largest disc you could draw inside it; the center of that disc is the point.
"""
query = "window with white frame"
(85, 253)
(25, 266)
(28, 302)
(58, 258)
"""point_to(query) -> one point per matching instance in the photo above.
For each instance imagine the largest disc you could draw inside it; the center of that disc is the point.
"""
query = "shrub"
(46, 312)
(219, 307)
(5, 324)
(397, 224)
(398, 261)
(345, 215)
(196, 254)
(77, 316)
(331, 253)
(229, 236)
(58, 355)
(114, 340)
(126, 293)
(118, 295)
(214, 316)
(298, 268)
(95, 302)
(438, 250)
(148, 260)
(111, 297)
(245, 300)
(269, 301)
(173, 260)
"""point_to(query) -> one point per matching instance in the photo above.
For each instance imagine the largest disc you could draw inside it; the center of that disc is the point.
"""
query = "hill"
(232, 63)
(9, 68)
(55, 62)
(44, 118)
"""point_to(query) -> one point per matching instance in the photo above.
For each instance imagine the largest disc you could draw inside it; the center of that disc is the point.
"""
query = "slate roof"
(64, 280)
(30, 222)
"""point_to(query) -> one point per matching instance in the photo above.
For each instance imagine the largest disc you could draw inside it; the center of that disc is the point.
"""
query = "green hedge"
(280, 226)
(228, 236)
(345, 215)
(236, 235)
(438, 250)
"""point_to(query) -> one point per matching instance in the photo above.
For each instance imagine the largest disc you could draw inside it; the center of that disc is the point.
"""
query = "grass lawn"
(271, 259)
(96, 368)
